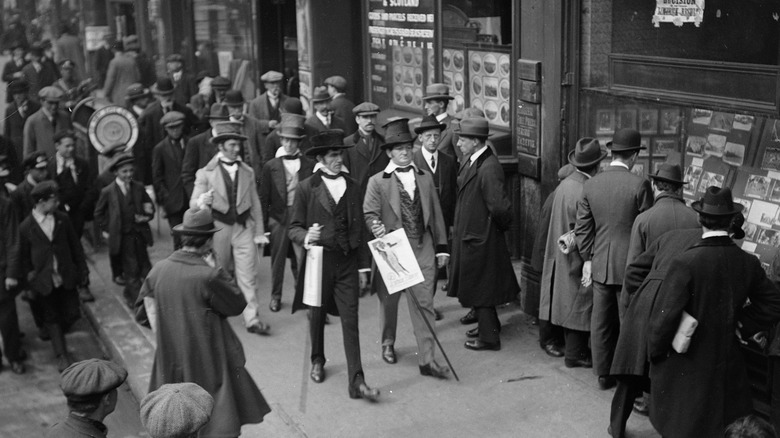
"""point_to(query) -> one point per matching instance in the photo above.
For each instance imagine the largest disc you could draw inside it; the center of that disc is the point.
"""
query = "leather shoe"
(578, 363)
(553, 350)
(437, 315)
(43, 334)
(317, 372)
(606, 382)
(388, 354)
(275, 304)
(120, 280)
(473, 333)
(85, 295)
(470, 318)
(435, 370)
(479, 345)
(364, 391)
(18, 367)
(259, 328)
(640, 407)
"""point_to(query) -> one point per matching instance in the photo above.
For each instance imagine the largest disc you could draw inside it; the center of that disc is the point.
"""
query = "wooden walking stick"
(436, 338)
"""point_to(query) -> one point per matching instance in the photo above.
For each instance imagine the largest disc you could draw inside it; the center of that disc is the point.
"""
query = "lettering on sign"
(527, 128)
(678, 12)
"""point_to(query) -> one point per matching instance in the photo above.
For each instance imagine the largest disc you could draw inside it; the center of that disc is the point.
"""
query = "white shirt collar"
(323, 119)
(428, 155)
(586, 175)
(320, 166)
(716, 233)
(31, 180)
(476, 154)
(122, 185)
(440, 117)
(38, 216)
(619, 163)
(281, 153)
(221, 157)
(391, 167)
(138, 110)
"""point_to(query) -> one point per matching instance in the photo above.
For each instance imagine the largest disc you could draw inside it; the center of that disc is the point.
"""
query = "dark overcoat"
(445, 179)
(108, 214)
(151, 132)
(167, 159)
(361, 162)
(198, 152)
(342, 107)
(9, 247)
(273, 188)
(13, 128)
(80, 198)
(699, 392)
(195, 342)
(481, 270)
(336, 122)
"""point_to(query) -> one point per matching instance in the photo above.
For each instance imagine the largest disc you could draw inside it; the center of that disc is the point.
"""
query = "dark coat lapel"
(320, 189)
(279, 178)
(471, 171)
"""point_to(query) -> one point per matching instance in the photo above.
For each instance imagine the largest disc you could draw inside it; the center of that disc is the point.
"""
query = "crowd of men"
(622, 259)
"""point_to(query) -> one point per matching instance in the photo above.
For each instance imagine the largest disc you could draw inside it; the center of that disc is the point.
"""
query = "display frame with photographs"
(663, 146)
(670, 121)
(605, 121)
(757, 186)
(648, 121)
(625, 119)
(734, 154)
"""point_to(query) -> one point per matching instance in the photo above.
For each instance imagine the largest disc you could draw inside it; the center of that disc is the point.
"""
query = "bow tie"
(404, 169)
(329, 176)
(290, 157)
(229, 163)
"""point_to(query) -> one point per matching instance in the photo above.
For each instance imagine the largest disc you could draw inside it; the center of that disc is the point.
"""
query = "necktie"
(229, 163)
(289, 157)
(54, 123)
(329, 176)
(327, 121)
(433, 162)
(404, 169)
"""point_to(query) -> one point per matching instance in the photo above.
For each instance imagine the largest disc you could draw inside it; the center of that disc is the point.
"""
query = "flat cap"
(337, 82)
(137, 91)
(51, 94)
(121, 159)
(366, 109)
(271, 76)
(36, 160)
(220, 83)
(67, 63)
(44, 190)
(176, 410)
(172, 118)
(90, 377)
(174, 57)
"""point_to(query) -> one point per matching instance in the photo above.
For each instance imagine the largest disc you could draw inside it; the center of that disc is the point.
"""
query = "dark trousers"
(282, 249)
(576, 344)
(9, 328)
(174, 219)
(604, 326)
(550, 334)
(116, 265)
(135, 264)
(339, 284)
(489, 326)
(628, 389)
(76, 217)
(774, 385)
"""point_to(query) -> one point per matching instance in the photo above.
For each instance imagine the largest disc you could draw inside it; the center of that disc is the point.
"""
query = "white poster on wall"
(678, 12)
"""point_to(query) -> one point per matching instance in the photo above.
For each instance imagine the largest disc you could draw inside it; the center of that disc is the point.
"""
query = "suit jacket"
(273, 188)
(39, 133)
(448, 142)
(122, 71)
(335, 123)
(81, 197)
(255, 152)
(69, 47)
(151, 133)
(273, 142)
(37, 255)
(9, 68)
(198, 152)
(610, 202)
(184, 88)
(7, 148)
(166, 174)
(210, 177)
(108, 214)
(259, 109)
(342, 107)
(9, 245)
(445, 179)
(75, 426)
(363, 164)
(39, 79)
(22, 200)
(13, 129)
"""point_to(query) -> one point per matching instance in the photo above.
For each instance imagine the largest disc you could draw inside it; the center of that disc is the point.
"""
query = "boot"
(60, 347)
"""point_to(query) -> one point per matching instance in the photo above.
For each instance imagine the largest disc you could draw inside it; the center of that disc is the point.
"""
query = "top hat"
(163, 86)
(586, 153)
(218, 111)
(397, 132)
(625, 140)
(671, 173)
(196, 222)
(473, 127)
(292, 126)
(429, 122)
(337, 82)
(234, 98)
(272, 76)
(320, 95)
(717, 202)
(220, 83)
(437, 92)
(136, 91)
(227, 131)
(366, 109)
(326, 141)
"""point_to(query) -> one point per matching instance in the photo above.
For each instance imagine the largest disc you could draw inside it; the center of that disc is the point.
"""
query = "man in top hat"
(564, 302)
(188, 295)
(12, 69)
(435, 102)
(327, 212)
(481, 271)
(342, 107)
(711, 282)
(167, 158)
(265, 107)
(279, 183)
(253, 151)
(176, 410)
(367, 157)
(201, 104)
(292, 112)
(226, 185)
(16, 115)
(90, 387)
(137, 98)
(323, 118)
(183, 82)
(122, 213)
(10, 276)
(122, 71)
(38, 73)
(610, 202)
(200, 150)
(404, 196)
(40, 128)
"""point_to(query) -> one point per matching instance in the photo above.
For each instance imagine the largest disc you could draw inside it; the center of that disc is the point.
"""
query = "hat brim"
(156, 90)
(700, 208)
(471, 134)
(438, 97)
(669, 180)
(318, 150)
(623, 148)
(114, 166)
(225, 137)
(576, 163)
(320, 100)
(173, 124)
(420, 129)
(366, 113)
(182, 230)
(294, 137)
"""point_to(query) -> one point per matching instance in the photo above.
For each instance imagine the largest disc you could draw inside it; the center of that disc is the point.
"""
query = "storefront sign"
(527, 128)
(529, 70)
(530, 91)
(678, 12)
(93, 35)
(401, 37)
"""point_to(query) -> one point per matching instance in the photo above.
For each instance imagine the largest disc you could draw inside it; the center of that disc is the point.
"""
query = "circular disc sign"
(112, 125)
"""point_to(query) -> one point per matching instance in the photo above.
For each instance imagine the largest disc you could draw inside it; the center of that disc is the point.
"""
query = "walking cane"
(436, 338)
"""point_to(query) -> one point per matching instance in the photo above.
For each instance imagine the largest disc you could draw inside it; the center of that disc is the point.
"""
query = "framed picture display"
(626, 118)
(605, 121)
(648, 121)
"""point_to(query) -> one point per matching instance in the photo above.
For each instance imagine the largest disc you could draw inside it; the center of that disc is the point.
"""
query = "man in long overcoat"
(187, 296)
(167, 157)
(564, 301)
(267, 107)
(341, 105)
(366, 158)
(699, 392)
(482, 273)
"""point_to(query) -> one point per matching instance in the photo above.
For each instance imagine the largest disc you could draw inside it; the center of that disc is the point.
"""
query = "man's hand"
(148, 208)
(11, 283)
(262, 240)
(587, 277)
(272, 124)
(378, 228)
(105, 235)
(442, 260)
(313, 235)
(363, 282)
(205, 199)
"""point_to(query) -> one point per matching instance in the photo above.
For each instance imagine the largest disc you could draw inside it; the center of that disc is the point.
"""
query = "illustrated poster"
(396, 262)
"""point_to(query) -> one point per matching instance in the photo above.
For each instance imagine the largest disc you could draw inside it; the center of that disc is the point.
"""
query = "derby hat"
(234, 98)
(224, 131)
(625, 140)
(272, 76)
(175, 57)
(429, 122)
(469, 112)
(671, 173)
(337, 82)
(137, 91)
(120, 160)
(473, 127)
(218, 111)
(366, 109)
(19, 86)
(397, 132)
(220, 83)
(292, 126)
(326, 141)
(717, 202)
(586, 153)
(91, 377)
(196, 222)
(437, 92)
(163, 86)
(320, 95)
(291, 105)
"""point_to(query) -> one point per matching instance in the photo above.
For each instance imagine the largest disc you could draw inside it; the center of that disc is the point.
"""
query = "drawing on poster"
(626, 119)
(774, 191)
(734, 154)
(396, 261)
(776, 131)
(695, 145)
(692, 176)
(771, 159)
(670, 121)
(710, 179)
(743, 122)
(638, 169)
(751, 230)
(768, 237)
(701, 116)
(663, 146)
(715, 145)
(605, 121)
(757, 186)
(645, 143)
(745, 203)
(648, 121)
(762, 213)
(721, 122)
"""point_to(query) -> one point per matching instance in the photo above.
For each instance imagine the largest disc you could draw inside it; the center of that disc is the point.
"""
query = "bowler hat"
(429, 122)
(131, 42)
(473, 127)
(292, 126)
(337, 82)
(18, 86)
(320, 95)
(36, 50)
(175, 57)
(218, 111)
(397, 132)
(163, 86)
(220, 83)
(36, 160)
(437, 92)
(176, 410)
(469, 112)
(625, 140)
(196, 222)
(120, 160)
(717, 202)
(272, 76)
(171, 119)
(91, 377)
(586, 153)
(671, 173)
(326, 141)
(136, 91)
(291, 105)
(366, 109)
(234, 98)
(227, 131)
(44, 190)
